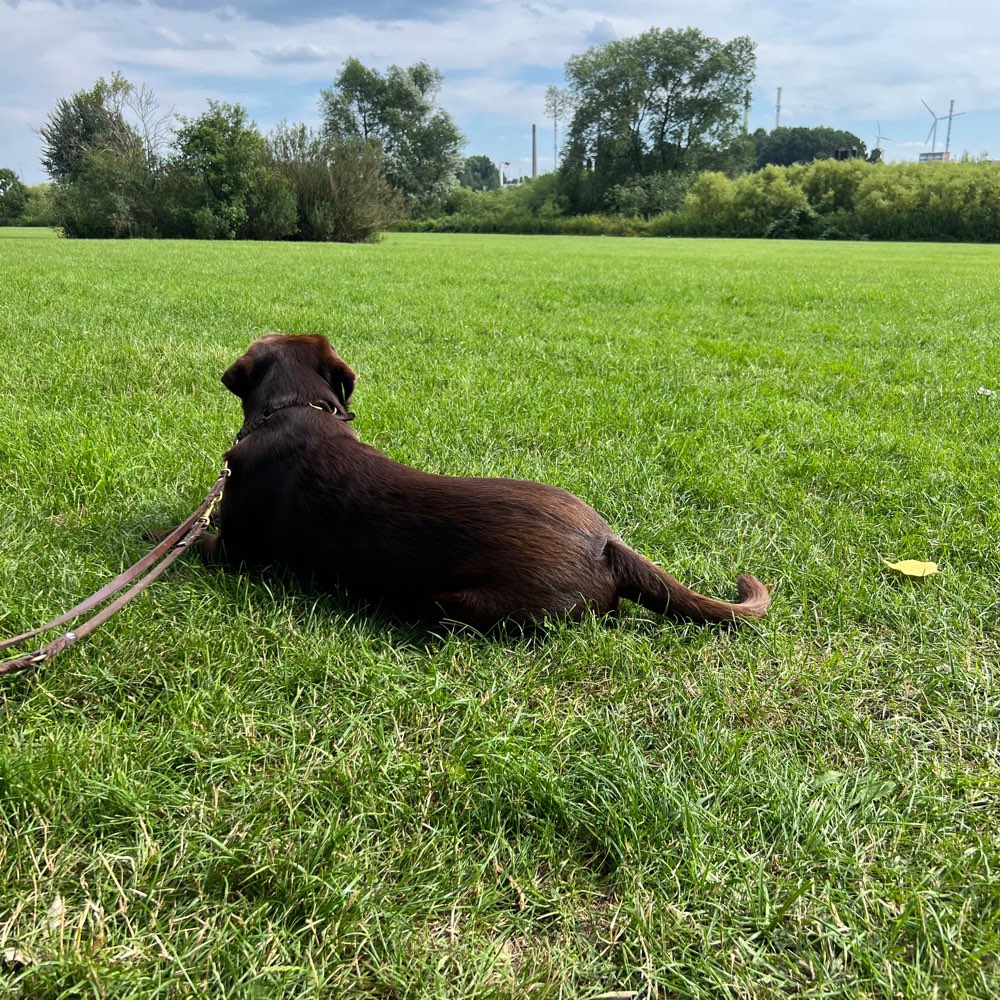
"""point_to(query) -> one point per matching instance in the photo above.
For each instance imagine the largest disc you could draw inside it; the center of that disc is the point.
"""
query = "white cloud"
(286, 54)
(203, 43)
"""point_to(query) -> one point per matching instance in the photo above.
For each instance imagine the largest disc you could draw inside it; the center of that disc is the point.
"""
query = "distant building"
(935, 157)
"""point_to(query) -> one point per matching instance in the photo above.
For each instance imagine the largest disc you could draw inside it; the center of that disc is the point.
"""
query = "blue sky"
(853, 64)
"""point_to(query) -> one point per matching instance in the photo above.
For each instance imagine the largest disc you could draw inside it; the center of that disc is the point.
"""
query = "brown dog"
(306, 494)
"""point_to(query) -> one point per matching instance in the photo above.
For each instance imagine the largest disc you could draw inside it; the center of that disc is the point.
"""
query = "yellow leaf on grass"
(913, 567)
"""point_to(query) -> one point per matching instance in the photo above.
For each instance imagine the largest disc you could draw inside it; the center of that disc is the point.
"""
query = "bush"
(800, 223)
(112, 196)
(652, 195)
(666, 224)
(832, 186)
(339, 191)
(529, 225)
(272, 211)
(761, 198)
(849, 199)
(828, 200)
(13, 198)
(225, 188)
(40, 208)
(931, 201)
(709, 206)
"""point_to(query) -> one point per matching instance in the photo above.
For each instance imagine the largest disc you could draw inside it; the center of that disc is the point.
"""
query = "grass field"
(27, 233)
(240, 788)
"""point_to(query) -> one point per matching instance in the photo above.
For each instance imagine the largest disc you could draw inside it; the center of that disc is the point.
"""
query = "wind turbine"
(951, 114)
(877, 150)
(932, 135)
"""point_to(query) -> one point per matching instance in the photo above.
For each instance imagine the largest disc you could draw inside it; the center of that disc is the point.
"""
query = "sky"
(860, 65)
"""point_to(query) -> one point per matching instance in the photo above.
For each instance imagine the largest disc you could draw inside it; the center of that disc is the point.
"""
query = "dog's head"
(311, 351)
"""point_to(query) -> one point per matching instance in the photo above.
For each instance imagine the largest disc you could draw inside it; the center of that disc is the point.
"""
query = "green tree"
(113, 114)
(763, 198)
(747, 206)
(103, 148)
(78, 123)
(709, 207)
(339, 190)
(558, 104)
(13, 197)
(479, 173)
(221, 186)
(111, 197)
(930, 201)
(420, 142)
(784, 146)
(652, 195)
(40, 210)
(664, 100)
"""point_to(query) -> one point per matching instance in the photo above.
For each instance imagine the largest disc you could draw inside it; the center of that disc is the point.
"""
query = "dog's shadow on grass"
(305, 603)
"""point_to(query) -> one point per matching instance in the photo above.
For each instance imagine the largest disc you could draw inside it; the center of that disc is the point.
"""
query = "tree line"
(653, 138)
(121, 167)
(825, 199)
(384, 149)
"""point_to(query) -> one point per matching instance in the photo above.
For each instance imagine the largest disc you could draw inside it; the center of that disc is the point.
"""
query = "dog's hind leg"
(474, 606)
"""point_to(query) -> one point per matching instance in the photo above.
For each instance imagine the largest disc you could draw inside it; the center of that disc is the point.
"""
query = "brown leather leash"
(140, 575)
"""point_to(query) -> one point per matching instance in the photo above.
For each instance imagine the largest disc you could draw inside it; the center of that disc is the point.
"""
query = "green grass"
(240, 788)
(26, 233)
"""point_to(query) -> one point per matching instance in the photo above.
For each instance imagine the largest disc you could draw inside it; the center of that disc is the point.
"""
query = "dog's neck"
(271, 396)
(249, 426)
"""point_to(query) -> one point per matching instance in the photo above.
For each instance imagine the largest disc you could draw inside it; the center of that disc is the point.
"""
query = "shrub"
(272, 210)
(340, 193)
(939, 201)
(40, 210)
(801, 223)
(761, 198)
(709, 206)
(652, 195)
(832, 186)
(111, 197)
(224, 184)
(13, 198)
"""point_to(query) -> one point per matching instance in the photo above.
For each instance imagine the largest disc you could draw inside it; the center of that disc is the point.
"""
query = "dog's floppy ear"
(237, 377)
(338, 373)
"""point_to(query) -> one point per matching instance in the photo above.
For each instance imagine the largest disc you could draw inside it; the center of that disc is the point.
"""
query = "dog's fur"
(306, 494)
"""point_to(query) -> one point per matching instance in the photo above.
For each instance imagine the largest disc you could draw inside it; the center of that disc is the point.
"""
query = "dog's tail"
(642, 581)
